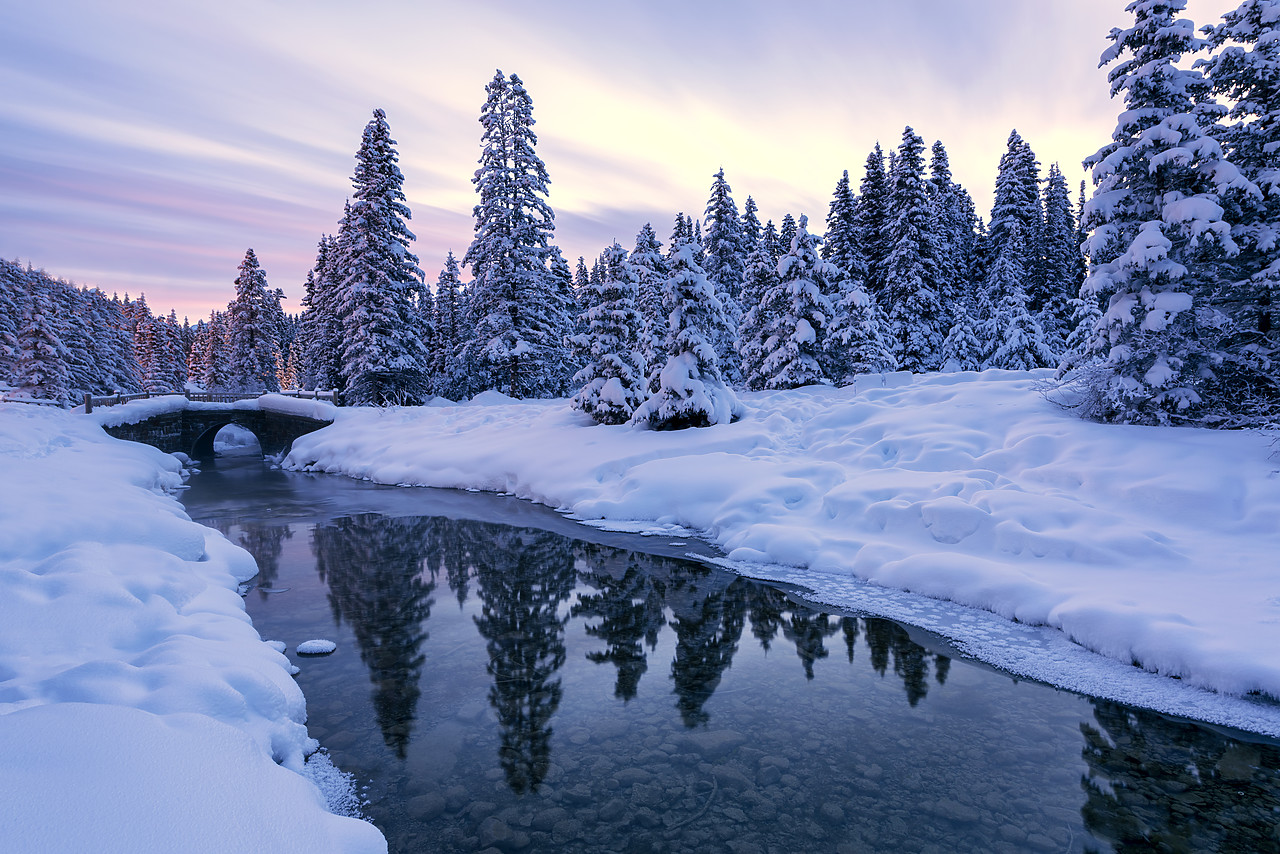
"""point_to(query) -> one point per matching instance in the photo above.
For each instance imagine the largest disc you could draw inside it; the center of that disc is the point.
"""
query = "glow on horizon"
(144, 149)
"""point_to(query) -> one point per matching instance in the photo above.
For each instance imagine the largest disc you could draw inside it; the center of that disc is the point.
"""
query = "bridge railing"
(211, 397)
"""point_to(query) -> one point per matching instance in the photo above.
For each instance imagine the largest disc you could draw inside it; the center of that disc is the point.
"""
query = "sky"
(145, 145)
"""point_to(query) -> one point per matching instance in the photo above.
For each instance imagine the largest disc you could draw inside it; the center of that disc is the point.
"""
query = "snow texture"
(139, 708)
(318, 646)
(969, 488)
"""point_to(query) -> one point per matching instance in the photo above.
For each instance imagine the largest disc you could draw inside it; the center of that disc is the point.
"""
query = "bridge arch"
(191, 431)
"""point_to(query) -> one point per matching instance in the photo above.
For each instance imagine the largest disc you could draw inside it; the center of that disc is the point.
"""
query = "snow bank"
(1147, 545)
(139, 709)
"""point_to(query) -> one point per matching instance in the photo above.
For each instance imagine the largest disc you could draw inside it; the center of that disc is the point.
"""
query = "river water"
(506, 679)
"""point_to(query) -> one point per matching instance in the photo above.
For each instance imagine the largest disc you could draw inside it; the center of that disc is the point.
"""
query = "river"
(507, 679)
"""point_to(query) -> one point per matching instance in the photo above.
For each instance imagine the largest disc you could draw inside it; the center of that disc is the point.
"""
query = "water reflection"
(1156, 785)
(555, 729)
(373, 566)
(524, 576)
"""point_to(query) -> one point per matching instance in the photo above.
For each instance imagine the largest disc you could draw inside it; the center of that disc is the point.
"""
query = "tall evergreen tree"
(724, 259)
(517, 344)
(798, 333)
(384, 360)
(912, 276)
(842, 245)
(873, 220)
(953, 214)
(1246, 73)
(251, 333)
(1158, 237)
(650, 269)
(751, 229)
(760, 318)
(445, 369)
(1062, 262)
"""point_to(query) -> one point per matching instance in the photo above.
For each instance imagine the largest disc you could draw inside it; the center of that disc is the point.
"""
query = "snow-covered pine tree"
(445, 371)
(321, 324)
(565, 313)
(915, 311)
(1158, 237)
(650, 268)
(384, 360)
(1246, 73)
(681, 233)
(751, 233)
(760, 317)
(1020, 344)
(724, 259)
(842, 245)
(771, 242)
(251, 333)
(961, 349)
(873, 219)
(1062, 262)
(517, 345)
(691, 392)
(953, 214)
(12, 297)
(798, 333)
(1017, 202)
(217, 362)
(581, 275)
(612, 383)
(786, 234)
(42, 357)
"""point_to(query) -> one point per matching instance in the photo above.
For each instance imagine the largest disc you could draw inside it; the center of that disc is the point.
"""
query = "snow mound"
(316, 647)
(139, 708)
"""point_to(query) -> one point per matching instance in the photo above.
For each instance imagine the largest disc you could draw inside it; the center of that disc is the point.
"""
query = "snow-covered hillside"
(1153, 546)
(139, 708)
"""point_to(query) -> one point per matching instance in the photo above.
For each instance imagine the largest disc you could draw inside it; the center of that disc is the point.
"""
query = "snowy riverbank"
(139, 708)
(1147, 545)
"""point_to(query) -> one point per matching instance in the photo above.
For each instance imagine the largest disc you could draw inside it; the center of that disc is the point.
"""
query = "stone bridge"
(191, 431)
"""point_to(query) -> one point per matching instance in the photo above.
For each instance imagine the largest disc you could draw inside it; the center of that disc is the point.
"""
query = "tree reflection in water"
(629, 606)
(523, 577)
(1160, 785)
(373, 566)
(262, 540)
(709, 611)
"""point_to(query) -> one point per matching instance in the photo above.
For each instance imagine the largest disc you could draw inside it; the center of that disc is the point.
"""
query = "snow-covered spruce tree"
(724, 259)
(691, 392)
(961, 349)
(914, 306)
(681, 233)
(786, 234)
(953, 214)
(251, 331)
(760, 316)
(751, 230)
(120, 369)
(1246, 73)
(1017, 203)
(444, 368)
(565, 314)
(384, 360)
(42, 357)
(650, 269)
(612, 383)
(321, 324)
(771, 242)
(1158, 237)
(217, 363)
(798, 333)
(841, 244)
(1062, 262)
(858, 341)
(873, 221)
(1020, 344)
(517, 345)
(12, 297)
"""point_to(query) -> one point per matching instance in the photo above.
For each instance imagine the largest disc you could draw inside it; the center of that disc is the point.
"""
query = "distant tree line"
(1153, 299)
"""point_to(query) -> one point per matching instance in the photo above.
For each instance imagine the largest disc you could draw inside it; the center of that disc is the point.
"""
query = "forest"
(1152, 297)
